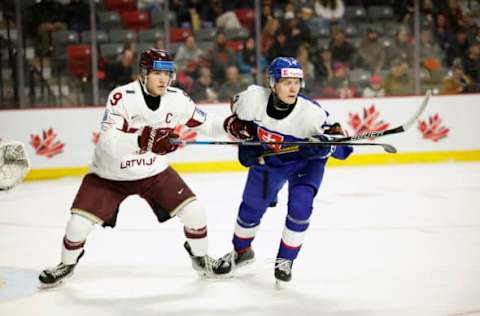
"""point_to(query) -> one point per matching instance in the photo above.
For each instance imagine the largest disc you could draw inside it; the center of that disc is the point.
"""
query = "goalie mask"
(157, 60)
(284, 67)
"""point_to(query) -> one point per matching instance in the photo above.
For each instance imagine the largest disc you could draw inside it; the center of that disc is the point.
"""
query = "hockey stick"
(343, 141)
(395, 130)
(387, 147)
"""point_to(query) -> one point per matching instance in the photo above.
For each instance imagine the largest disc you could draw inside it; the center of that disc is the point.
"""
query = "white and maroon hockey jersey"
(117, 155)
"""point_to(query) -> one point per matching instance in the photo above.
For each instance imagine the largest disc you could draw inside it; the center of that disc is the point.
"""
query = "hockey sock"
(197, 239)
(244, 234)
(290, 244)
(78, 228)
(194, 220)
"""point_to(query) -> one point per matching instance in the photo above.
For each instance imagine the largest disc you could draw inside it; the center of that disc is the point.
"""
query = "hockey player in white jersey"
(278, 113)
(14, 164)
(137, 127)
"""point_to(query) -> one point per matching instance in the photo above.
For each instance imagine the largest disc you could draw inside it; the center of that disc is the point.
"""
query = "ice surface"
(393, 240)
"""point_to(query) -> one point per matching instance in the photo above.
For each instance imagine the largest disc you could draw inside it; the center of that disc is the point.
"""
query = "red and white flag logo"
(266, 136)
(46, 144)
(369, 121)
(433, 129)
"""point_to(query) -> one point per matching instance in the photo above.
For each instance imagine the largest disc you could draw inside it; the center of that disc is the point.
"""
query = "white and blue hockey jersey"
(307, 119)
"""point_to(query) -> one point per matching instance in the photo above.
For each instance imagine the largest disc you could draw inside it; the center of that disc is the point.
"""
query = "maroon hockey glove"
(157, 140)
(238, 128)
(335, 129)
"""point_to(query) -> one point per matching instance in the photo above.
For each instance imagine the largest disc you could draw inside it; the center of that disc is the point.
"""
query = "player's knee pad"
(78, 228)
(249, 213)
(300, 207)
(193, 215)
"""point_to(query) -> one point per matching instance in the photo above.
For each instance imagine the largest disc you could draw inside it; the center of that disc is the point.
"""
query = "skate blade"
(231, 274)
(45, 286)
(245, 263)
(280, 285)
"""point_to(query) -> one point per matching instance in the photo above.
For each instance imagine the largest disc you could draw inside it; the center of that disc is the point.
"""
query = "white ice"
(393, 240)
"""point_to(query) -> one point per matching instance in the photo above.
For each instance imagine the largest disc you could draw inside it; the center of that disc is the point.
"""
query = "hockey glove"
(335, 129)
(157, 140)
(238, 128)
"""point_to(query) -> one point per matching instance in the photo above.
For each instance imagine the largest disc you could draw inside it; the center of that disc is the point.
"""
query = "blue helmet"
(284, 67)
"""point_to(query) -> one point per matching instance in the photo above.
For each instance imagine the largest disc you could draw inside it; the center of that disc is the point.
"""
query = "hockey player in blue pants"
(279, 114)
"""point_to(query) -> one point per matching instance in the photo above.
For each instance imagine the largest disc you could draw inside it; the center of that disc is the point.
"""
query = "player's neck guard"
(278, 109)
(153, 102)
(279, 105)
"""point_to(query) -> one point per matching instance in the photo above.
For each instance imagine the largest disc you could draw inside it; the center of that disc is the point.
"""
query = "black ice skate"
(233, 260)
(55, 276)
(202, 264)
(283, 272)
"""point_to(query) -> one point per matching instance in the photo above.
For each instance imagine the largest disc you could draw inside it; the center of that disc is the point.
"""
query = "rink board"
(65, 137)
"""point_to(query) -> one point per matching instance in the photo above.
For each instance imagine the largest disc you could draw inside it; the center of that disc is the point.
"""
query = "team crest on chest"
(266, 136)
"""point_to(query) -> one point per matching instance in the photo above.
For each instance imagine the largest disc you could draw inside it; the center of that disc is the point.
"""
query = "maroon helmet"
(156, 59)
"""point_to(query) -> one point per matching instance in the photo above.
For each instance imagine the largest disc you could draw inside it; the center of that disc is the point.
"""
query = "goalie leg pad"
(14, 164)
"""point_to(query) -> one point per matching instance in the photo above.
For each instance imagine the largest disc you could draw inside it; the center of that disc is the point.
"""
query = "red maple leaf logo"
(46, 146)
(95, 137)
(433, 129)
(185, 134)
(369, 122)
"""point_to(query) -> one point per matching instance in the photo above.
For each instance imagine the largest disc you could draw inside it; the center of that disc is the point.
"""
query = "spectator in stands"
(280, 47)
(454, 14)
(340, 85)
(247, 58)
(215, 15)
(342, 50)
(427, 15)
(329, 12)
(297, 33)
(221, 55)
(375, 88)
(233, 84)
(77, 15)
(428, 48)
(289, 11)
(303, 57)
(48, 17)
(324, 64)
(203, 88)
(456, 80)
(268, 34)
(472, 64)
(371, 52)
(120, 72)
(267, 13)
(402, 47)
(398, 82)
(459, 47)
(189, 56)
(444, 35)
(469, 24)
